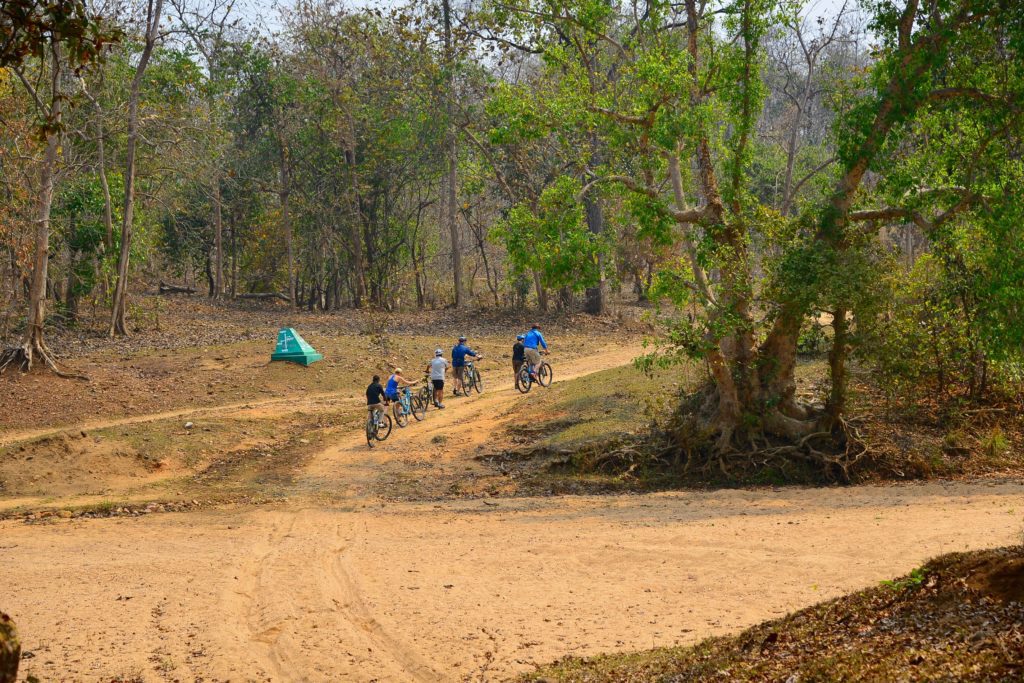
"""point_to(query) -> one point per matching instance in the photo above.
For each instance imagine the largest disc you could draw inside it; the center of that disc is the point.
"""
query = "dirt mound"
(959, 617)
(69, 464)
(1001, 578)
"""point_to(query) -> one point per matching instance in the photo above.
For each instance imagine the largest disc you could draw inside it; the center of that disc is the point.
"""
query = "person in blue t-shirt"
(459, 353)
(396, 382)
(534, 343)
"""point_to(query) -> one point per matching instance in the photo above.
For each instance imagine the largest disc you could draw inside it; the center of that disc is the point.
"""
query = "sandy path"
(464, 424)
(460, 590)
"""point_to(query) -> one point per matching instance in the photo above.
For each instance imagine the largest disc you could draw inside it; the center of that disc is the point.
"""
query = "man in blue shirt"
(534, 342)
(459, 353)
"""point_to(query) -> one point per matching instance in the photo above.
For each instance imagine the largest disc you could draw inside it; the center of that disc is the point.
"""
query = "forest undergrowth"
(630, 440)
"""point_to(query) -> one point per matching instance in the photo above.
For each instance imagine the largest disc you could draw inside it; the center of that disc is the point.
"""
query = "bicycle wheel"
(523, 381)
(424, 396)
(371, 428)
(419, 407)
(384, 430)
(401, 417)
(467, 380)
(478, 381)
(544, 375)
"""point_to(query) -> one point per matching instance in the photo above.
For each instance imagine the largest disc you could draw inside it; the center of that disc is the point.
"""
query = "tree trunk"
(71, 285)
(451, 212)
(101, 169)
(33, 344)
(542, 295)
(118, 326)
(596, 298)
(101, 164)
(596, 302)
(418, 277)
(41, 261)
(284, 195)
(836, 405)
(358, 266)
(218, 242)
(234, 255)
(209, 274)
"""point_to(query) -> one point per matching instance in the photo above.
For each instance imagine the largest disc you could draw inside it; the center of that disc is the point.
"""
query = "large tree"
(48, 40)
(150, 36)
(676, 92)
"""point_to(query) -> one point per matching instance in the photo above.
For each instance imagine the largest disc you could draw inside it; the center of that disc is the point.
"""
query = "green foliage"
(554, 239)
(915, 579)
(995, 444)
(812, 341)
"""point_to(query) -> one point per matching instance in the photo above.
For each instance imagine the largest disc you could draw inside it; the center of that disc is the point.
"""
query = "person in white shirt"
(438, 369)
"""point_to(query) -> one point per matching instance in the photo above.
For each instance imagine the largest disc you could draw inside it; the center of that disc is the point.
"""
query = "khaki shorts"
(533, 357)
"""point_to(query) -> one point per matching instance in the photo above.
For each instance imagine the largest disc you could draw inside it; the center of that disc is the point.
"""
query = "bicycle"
(406, 405)
(471, 379)
(524, 381)
(378, 429)
(426, 394)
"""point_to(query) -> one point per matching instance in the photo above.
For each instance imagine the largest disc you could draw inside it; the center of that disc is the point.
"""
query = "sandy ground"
(371, 590)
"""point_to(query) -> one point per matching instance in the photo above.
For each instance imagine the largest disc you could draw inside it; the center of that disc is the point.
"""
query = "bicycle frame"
(405, 399)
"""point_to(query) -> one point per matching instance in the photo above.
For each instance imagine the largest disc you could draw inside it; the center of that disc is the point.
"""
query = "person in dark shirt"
(518, 355)
(375, 402)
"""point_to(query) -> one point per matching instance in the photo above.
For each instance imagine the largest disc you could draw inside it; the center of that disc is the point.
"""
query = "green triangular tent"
(292, 347)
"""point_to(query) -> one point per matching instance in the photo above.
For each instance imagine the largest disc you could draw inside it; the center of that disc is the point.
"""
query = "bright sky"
(267, 13)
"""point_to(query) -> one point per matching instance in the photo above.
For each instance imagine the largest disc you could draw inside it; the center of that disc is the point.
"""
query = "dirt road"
(455, 590)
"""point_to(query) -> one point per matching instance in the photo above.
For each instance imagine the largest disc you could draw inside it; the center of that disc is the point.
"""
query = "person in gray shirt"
(438, 369)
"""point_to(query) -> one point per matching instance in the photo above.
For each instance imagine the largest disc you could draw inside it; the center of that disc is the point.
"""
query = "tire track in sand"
(305, 616)
(301, 581)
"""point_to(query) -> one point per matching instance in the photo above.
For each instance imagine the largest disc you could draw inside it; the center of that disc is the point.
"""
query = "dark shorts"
(438, 384)
(391, 397)
(517, 365)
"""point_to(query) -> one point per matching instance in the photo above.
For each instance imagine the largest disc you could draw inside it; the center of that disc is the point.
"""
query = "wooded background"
(774, 180)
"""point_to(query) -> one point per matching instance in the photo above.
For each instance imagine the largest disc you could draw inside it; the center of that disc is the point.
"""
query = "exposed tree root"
(31, 353)
(834, 452)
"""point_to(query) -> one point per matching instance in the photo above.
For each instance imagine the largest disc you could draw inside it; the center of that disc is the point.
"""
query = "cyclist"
(518, 354)
(534, 341)
(395, 382)
(375, 403)
(459, 353)
(438, 368)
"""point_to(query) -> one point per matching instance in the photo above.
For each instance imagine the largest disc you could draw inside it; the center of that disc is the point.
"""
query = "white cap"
(398, 371)
(438, 352)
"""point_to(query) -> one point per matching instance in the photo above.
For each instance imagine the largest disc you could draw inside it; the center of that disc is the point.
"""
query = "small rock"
(189, 425)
